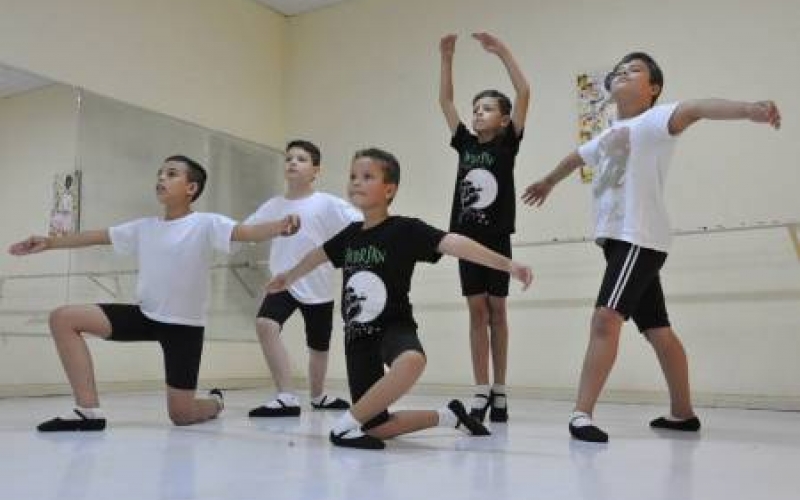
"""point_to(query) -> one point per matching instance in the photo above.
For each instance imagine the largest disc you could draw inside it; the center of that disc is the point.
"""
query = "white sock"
(446, 418)
(287, 398)
(580, 419)
(346, 424)
(500, 390)
(218, 399)
(319, 399)
(87, 412)
(479, 402)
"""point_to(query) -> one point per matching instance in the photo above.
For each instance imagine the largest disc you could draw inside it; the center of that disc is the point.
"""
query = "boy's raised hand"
(32, 244)
(522, 273)
(489, 42)
(447, 46)
(765, 112)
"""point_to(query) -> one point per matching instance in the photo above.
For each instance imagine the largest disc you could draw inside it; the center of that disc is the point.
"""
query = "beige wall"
(366, 73)
(217, 64)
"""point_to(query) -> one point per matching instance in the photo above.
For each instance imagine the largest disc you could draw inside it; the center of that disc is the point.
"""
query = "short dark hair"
(502, 100)
(194, 172)
(656, 75)
(389, 164)
(308, 147)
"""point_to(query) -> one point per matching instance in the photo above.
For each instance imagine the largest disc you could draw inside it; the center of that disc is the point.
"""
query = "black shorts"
(632, 286)
(367, 356)
(477, 279)
(317, 317)
(182, 345)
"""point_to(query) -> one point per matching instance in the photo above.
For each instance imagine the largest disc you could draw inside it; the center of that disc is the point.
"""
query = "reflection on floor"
(739, 454)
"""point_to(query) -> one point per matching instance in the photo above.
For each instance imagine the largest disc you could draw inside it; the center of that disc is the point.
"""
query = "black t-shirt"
(484, 203)
(377, 264)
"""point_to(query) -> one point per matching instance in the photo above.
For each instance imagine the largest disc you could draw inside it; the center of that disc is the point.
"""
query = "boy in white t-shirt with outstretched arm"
(323, 216)
(174, 255)
(631, 159)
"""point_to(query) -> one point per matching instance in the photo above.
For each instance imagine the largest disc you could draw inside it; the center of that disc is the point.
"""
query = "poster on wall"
(595, 111)
(65, 211)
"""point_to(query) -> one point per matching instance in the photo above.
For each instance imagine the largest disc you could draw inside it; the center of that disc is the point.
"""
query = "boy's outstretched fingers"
(489, 42)
(536, 193)
(766, 112)
(33, 244)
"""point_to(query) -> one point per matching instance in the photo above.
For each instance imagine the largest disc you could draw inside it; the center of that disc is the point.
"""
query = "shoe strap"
(78, 412)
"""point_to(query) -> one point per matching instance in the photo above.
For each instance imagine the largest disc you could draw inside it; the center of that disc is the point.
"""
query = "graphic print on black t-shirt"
(364, 294)
(477, 190)
(483, 199)
(378, 263)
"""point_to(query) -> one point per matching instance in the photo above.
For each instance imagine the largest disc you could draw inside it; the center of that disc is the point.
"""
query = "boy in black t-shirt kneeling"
(378, 257)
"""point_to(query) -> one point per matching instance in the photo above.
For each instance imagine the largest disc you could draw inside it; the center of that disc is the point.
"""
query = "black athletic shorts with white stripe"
(632, 286)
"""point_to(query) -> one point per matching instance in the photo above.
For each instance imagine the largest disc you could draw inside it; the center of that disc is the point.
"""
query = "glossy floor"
(739, 454)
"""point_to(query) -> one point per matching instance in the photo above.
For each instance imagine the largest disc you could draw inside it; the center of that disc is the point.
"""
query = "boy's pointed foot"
(588, 433)
(82, 423)
(688, 425)
(282, 410)
(356, 439)
(465, 421)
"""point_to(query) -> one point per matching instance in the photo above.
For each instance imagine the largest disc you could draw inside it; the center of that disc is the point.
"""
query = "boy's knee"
(414, 359)
(606, 322)
(59, 318)
(181, 416)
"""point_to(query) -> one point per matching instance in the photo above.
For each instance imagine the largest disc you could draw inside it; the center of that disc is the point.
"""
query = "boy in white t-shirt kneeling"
(174, 254)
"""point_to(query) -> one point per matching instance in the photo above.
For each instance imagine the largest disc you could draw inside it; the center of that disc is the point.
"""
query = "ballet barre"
(792, 227)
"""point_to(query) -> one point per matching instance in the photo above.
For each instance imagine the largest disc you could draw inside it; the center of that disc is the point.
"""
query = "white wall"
(366, 73)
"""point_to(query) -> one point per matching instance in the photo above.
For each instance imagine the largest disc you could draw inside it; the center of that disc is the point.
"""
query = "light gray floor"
(739, 454)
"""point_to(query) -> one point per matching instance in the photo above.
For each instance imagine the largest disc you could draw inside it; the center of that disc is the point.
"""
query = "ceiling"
(295, 7)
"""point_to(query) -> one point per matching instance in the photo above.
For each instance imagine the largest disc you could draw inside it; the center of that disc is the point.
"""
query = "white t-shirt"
(174, 259)
(630, 161)
(321, 217)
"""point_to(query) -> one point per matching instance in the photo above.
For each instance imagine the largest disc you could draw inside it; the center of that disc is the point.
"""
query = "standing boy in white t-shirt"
(631, 160)
(174, 254)
(323, 216)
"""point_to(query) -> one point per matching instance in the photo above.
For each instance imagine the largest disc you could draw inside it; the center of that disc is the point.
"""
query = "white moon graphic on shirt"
(365, 296)
(485, 186)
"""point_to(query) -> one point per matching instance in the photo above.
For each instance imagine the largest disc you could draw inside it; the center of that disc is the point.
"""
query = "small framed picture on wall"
(66, 204)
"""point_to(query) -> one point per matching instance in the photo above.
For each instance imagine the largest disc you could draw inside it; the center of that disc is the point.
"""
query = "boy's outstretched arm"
(36, 244)
(447, 47)
(522, 88)
(467, 249)
(287, 226)
(536, 193)
(307, 264)
(689, 112)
